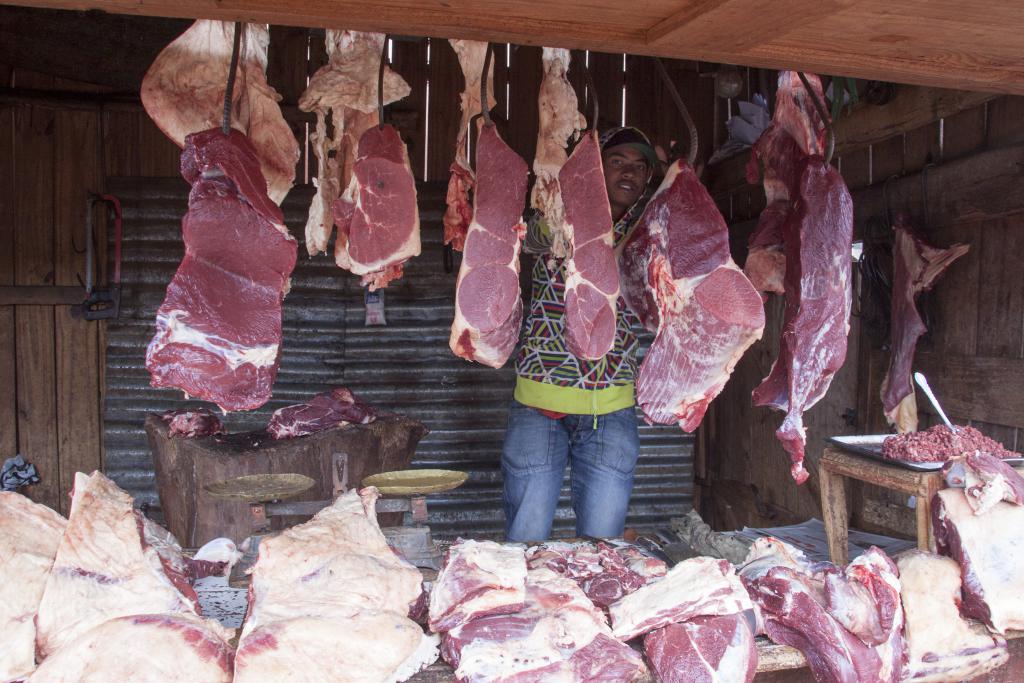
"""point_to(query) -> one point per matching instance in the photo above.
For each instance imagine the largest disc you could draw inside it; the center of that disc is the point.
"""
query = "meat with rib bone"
(345, 91)
(703, 650)
(990, 550)
(559, 122)
(678, 277)
(377, 216)
(916, 267)
(108, 565)
(557, 635)
(488, 306)
(183, 92)
(812, 348)
(985, 479)
(477, 578)
(941, 645)
(218, 331)
(591, 273)
(459, 214)
(701, 586)
(336, 408)
(29, 536)
(142, 648)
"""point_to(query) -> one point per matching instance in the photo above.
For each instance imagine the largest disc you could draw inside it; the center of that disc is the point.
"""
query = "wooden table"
(837, 466)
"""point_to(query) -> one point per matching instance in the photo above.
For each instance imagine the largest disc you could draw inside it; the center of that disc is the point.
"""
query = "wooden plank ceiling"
(946, 43)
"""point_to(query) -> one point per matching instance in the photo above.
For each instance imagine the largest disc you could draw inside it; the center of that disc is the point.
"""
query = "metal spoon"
(923, 383)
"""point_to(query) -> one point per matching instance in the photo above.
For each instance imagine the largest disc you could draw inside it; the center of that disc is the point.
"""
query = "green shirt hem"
(573, 400)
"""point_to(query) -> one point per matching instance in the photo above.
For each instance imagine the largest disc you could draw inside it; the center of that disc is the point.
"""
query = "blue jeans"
(537, 449)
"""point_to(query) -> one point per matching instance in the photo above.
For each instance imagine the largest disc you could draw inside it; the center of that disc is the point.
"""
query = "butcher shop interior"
(486, 342)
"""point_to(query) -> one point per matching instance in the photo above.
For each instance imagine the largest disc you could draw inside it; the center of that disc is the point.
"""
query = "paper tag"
(374, 307)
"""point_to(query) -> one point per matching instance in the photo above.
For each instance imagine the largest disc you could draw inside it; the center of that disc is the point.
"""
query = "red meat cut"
(377, 217)
(591, 274)
(488, 307)
(678, 277)
(703, 650)
(916, 267)
(218, 331)
(333, 409)
(191, 423)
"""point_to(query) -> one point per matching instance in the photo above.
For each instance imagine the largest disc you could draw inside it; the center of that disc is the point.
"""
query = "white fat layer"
(233, 353)
(423, 656)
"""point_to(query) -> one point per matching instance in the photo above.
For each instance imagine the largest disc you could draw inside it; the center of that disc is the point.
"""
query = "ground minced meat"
(939, 443)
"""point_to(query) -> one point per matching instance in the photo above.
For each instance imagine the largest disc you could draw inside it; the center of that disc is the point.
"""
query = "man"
(568, 410)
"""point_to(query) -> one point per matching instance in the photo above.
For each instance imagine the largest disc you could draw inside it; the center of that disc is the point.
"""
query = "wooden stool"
(837, 466)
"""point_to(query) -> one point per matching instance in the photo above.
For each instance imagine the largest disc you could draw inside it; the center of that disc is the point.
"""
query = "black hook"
(380, 84)
(226, 120)
(825, 118)
(691, 157)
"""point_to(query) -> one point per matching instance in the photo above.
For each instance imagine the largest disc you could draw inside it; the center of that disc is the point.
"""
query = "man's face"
(626, 173)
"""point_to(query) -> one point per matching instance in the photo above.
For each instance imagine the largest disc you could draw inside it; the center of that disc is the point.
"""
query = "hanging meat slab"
(459, 214)
(703, 650)
(343, 95)
(591, 273)
(377, 216)
(560, 120)
(488, 305)
(183, 92)
(678, 277)
(218, 331)
(916, 267)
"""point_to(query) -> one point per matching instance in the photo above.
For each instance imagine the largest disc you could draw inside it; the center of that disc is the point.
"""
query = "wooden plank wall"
(973, 354)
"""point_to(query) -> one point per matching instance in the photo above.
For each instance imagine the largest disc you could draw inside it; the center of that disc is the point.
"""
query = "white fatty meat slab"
(941, 645)
(350, 646)
(557, 636)
(701, 586)
(478, 578)
(703, 650)
(459, 214)
(29, 536)
(143, 648)
(346, 90)
(488, 305)
(985, 479)
(183, 92)
(990, 551)
(591, 274)
(559, 122)
(105, 569)
(377, 217)
(678, 277)
(338, 559)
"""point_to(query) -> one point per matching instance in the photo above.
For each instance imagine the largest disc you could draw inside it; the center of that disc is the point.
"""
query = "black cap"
(634, 137)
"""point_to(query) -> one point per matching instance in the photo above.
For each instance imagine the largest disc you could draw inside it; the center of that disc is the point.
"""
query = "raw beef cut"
(377, 217)
(218, 331)
(109, 564)
(817, 237)
(591, 274)
(478, 578)
(941, 645)
(142, 648)
(916, 267)
(605, 573)
(703, 650)
(488, 306)
(29, 536)
(183, 92)
(990, 551)
(336, 408)
(343, 93)
(459, 214)
(678, 277)
(191, 423)
(939, 443)
(701, 586)
(558, 635)
(985, 479)
(560, 121)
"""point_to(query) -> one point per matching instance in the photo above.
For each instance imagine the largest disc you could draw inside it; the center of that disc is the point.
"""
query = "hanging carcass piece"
(29, 536)
(916, 267)
(377, 217)
(218, 332)
(559, 122)
(591, 275)
(459, 214)
(796, 132)
(183, 92)
(678, 277)
(345, 89)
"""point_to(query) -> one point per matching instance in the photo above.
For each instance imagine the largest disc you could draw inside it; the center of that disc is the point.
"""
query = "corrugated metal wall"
(406, 366)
